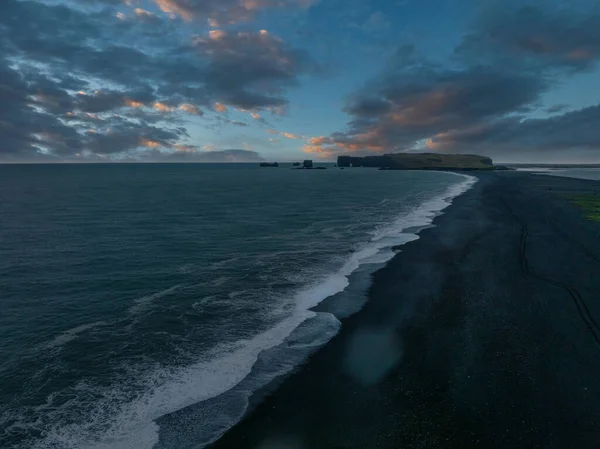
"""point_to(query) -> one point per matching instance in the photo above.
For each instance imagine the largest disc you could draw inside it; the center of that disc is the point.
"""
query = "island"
(419, 161)
(269, 164)
(308, 165)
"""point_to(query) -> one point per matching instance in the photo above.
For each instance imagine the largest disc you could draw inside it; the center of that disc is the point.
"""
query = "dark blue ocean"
(133, 291)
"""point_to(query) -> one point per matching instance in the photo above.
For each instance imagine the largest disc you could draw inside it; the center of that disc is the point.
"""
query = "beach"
(484, 332)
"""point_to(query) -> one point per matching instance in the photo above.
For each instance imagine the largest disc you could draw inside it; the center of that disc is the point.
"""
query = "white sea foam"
(119, 421)
(145, 302)
(72, 334)
(140, 305)
(378, 250)
(127, 424)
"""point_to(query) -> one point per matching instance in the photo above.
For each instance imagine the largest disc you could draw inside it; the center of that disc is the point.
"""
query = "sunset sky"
(246, 80)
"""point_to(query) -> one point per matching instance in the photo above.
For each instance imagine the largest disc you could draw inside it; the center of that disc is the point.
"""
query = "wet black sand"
(484, 333)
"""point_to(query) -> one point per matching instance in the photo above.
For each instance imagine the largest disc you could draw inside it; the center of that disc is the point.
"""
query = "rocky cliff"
(419, 161)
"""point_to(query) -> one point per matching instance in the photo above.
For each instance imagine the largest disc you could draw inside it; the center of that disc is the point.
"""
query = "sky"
(286, 80)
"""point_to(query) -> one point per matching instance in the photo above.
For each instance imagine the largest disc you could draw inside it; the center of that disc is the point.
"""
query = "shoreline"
(439, 356)
(340, 294)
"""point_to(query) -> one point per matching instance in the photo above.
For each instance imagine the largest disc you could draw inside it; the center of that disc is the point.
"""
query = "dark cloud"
(368, 107)
(251, 70)
(540, 33)
(572, 134)
(403, 108)
(25, 130)
(556, 108)
(37, 121)
(84, 79)
(478, 103)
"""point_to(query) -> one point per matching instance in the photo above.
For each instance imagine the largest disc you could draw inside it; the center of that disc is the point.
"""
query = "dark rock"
(269, 164)
(343, 161)
(502, 167)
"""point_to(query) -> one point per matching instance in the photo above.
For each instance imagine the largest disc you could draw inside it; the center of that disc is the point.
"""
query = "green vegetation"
(590, 203)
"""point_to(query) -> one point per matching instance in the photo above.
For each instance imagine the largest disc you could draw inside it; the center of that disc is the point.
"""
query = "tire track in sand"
(578, 300)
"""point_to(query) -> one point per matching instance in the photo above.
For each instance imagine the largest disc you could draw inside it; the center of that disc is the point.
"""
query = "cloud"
(402, 108)
(546, 34)
(145, 15)
(225, 11)
(480, 101)
(25, 131)
(220, 107)
(41, 121)
(251, 70)
(190, 109)
(80, 82)
(570, 135)
(284, 134)
(207, 156)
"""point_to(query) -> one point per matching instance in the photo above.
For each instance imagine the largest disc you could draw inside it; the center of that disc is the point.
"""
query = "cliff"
(419, 161)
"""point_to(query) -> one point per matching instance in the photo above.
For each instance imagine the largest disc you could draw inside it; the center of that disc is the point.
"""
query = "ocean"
(141, 305)
(580, 173)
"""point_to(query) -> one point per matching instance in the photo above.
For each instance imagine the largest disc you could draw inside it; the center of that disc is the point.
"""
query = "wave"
(125, 423)
(145, 302)
(71, 334)
(219, 386)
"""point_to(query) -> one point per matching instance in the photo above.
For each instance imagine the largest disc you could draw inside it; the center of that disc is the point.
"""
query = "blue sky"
(246, 80)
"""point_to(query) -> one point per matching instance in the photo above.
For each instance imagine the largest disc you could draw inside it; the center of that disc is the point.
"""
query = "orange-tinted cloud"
(143, 142)
(142, 13)
(324, 146)
(162, 107)
(224, 11)
(133, 104)
(190, 109)
(175, 8)
(216, 35)
(220, 107)
(284, 134)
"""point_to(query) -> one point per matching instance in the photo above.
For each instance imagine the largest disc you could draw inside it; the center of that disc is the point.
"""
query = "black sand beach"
(484, 333)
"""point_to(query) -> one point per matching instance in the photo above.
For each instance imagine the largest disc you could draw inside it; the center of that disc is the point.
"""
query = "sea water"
(142, 304)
